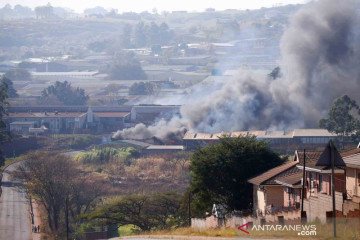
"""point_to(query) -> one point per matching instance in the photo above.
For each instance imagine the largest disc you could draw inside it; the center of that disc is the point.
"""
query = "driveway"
(14, 214)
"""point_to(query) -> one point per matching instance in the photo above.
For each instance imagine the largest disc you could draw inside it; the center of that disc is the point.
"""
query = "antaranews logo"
(301, 230)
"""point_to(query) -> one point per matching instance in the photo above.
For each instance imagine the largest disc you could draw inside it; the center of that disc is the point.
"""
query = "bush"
(105, 155)
(84, 141)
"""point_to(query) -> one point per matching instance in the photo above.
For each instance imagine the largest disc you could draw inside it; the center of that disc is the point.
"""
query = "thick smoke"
(320, 62)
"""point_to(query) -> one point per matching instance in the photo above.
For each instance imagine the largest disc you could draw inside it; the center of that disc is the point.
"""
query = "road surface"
(14, 213)
(180, 237)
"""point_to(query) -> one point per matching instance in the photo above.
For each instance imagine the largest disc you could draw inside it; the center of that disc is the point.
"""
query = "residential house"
(317, 185)
(277, 190)
(352, 202)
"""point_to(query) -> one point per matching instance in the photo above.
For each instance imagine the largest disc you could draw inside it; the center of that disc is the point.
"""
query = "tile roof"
(287, 173)
(292, 180)
(352, 160)
(262, 178)
(312, 157)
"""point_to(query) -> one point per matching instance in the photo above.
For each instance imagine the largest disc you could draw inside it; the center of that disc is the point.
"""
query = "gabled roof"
(313, 157)
(325, 158)
(262, 178)
(352, 160)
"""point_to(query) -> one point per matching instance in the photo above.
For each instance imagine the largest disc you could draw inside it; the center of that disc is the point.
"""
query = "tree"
(11, 92)
(44, 11)
(140, 37)
(153, 211)
(341, 119)
(127, 67)
(65, 93)
(51, 179)
(141, 88)
(18, 74)
(220, 172)
(4, 136)
(126, 36)
(47, 178)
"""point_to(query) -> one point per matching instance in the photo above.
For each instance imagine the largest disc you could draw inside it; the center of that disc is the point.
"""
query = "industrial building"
(83, 119)
(297, 136)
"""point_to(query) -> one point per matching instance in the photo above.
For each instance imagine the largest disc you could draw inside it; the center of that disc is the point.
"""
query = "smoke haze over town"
(161, 5)
(315, 58)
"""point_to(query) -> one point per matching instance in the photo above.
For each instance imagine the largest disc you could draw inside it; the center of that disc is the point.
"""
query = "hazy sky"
(142, 5)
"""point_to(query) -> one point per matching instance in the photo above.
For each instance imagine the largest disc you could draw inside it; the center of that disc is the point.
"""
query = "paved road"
(14, 214)
(180, 237)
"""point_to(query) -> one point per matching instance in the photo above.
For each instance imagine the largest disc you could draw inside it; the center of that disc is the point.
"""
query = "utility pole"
(303, 190)
(332, 156)
(189, 208)
(67, 216)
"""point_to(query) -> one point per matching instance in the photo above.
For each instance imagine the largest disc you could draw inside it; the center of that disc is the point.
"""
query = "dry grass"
(145, 174)
(347, 229)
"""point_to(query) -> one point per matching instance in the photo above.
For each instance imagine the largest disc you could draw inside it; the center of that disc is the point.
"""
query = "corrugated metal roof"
(167, 147)
(313, 133)
(240, 133)
(44, 115)
(257, 133)
(111, 114)
(265, 134)
(189, 135)
(204, 136)
(22, 123)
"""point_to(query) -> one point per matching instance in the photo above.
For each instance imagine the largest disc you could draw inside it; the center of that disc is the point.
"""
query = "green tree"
(51, 178)
(342, 117)
(220, 172)
(44, 11)
(141, 88)
(11, 92)
(4, 136)
(148, 212)
(65, 93)
(126, 36)
(18, 74)
(140, 36)
(127, 67)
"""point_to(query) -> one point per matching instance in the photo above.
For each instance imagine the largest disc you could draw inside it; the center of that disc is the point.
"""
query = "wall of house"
(317, 206)
(260, 200)
(295, 197)
(326, 183)
(274, 196)
(352, 182)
